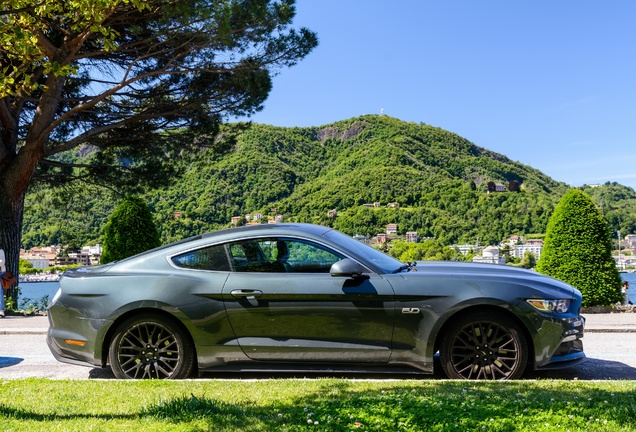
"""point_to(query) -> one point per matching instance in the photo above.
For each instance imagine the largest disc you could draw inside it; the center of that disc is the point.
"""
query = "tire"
(151, 347)
(483, 346)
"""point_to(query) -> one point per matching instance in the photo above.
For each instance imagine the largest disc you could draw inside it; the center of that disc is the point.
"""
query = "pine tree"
(578, 250)
(129, 231)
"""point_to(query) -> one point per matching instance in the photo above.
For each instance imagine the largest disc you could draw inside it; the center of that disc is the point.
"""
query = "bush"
(129, 231)
(578, 250)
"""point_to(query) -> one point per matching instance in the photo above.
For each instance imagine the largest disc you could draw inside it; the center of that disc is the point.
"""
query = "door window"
(281, 255)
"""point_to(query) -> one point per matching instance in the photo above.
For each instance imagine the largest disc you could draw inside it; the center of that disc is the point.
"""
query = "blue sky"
(551, 84)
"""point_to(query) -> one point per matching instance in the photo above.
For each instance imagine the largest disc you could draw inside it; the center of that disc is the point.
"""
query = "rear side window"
(209, 258)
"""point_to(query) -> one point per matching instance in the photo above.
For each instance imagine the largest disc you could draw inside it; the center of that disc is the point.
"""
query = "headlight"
(557, 306)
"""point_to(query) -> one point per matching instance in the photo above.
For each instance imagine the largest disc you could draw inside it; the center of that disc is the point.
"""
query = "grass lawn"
(317, 405)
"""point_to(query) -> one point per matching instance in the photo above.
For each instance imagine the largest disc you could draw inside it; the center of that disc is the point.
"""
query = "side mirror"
(347, 268)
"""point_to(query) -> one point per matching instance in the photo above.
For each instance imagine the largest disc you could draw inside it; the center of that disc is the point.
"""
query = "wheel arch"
(108, 337)
(497, 310)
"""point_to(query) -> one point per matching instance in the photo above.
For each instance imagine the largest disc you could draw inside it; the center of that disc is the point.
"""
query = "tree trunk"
(17, 170)
(11, 210)
(16, 173)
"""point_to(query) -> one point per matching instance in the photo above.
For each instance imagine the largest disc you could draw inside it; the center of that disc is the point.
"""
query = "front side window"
(281, 255)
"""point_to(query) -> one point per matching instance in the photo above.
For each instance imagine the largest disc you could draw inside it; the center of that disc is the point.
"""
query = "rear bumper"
(59, 352)
(71, 338)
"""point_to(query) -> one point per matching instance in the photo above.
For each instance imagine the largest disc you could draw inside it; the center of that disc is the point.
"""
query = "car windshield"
(373, 256)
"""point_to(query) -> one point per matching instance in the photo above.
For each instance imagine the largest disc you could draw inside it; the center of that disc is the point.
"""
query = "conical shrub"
(578, 250)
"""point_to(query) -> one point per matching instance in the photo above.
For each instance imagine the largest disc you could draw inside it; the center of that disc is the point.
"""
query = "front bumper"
(569, 350)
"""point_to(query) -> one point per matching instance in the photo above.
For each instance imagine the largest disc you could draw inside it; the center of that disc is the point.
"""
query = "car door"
(283, 304)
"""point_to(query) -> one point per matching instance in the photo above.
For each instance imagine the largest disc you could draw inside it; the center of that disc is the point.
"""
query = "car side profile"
(290, 297)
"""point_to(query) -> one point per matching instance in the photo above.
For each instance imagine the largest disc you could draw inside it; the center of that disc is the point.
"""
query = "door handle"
(246, 293)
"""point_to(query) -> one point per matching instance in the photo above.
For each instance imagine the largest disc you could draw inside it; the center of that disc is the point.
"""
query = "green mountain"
(439, 180)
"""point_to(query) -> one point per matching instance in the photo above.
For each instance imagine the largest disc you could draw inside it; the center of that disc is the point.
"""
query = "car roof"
(228, 234)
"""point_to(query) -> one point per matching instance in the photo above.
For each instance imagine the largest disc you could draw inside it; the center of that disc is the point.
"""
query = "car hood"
(492, 273)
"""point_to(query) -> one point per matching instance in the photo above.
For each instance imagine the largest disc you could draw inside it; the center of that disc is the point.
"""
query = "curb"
(24, 331)
(610, 330)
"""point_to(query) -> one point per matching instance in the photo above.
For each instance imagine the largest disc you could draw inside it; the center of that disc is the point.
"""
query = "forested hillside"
(439, 180)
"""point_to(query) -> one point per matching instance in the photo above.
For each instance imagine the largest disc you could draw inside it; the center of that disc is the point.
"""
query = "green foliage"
(22, 31)
(69, 216)
(438, 178)
(426, 250)
(26, 267)
(528, 261)
(577, 250)
(62, 269)
(618, 205)
(129, 231)
(92, 92)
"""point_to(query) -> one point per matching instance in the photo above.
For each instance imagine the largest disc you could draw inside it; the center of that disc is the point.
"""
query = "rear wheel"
(150, 347)
(483, 346)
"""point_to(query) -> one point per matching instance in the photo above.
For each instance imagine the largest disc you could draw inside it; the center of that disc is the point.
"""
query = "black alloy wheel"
(148, 347)
(481, 346)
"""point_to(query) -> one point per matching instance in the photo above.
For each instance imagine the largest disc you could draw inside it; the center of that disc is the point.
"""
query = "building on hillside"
(412, 237)
(236, 220)
(519, 251)
(496, 187)
(49, 256)
(490, 255)
(534, 242)
(63, 260)
(82, 257)
(394, 204)
(465, 249)
(39, 260)
(391, 229)
(361, 239)
(94, 253)
(381, 239)
(630, 241)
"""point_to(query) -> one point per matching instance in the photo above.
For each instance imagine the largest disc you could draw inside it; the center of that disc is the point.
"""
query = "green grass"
(317, 405)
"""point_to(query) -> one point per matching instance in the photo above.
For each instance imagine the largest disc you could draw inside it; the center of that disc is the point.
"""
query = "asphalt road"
(611, 356)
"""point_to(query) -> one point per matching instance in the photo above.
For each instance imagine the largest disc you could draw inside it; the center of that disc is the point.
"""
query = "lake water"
(35, 291)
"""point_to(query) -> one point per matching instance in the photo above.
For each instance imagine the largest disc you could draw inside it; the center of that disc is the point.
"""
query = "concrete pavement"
(594, 323)
(36, 324)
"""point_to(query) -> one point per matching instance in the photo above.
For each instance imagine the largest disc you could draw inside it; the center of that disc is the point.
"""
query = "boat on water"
(53, 277)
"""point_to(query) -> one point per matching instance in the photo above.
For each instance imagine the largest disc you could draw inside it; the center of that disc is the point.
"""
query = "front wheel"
(483, 346)
(149, 347)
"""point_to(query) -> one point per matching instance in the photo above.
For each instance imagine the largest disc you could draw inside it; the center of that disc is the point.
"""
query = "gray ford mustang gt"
(299, 297)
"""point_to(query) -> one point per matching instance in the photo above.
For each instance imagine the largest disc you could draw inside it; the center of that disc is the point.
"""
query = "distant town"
(517, 246)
